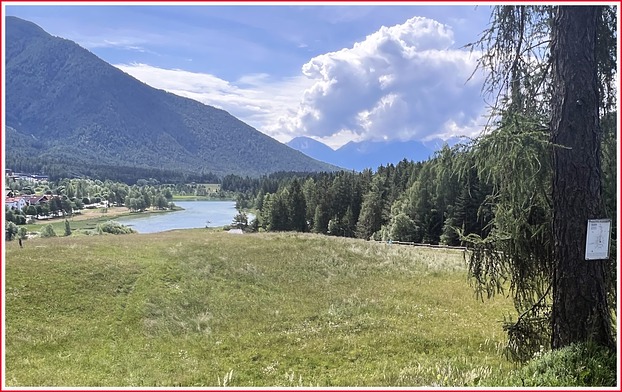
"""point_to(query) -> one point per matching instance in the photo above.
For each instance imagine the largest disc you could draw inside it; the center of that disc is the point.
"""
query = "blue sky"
(331, 72)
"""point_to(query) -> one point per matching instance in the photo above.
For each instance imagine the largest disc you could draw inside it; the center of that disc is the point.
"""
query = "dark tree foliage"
(409, 201)
(542, 139)
(297, 207)
(373, 209)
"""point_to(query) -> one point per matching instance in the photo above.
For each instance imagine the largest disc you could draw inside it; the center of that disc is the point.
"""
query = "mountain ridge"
(363, 155)
(72, 112)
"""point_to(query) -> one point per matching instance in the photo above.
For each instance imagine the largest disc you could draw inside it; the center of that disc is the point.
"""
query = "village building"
(20, 202)
(15, 202)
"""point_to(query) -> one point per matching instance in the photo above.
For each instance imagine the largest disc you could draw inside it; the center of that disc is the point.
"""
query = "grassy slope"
(205, 308)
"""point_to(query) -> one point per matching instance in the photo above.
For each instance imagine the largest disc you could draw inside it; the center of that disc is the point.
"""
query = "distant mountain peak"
(304, 142)
(364, 154)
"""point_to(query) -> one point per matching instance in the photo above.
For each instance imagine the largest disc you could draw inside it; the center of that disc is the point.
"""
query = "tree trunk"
(580, 312)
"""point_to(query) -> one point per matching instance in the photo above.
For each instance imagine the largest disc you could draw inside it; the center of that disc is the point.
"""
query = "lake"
(195, 214)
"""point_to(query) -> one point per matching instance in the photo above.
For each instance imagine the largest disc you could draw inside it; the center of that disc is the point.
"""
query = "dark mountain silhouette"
(71, 113)
(364, 155)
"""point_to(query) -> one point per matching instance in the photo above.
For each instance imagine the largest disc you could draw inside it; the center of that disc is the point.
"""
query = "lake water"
(196, 214)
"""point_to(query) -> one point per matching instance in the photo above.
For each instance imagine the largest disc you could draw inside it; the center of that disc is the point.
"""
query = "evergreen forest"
(446, 200)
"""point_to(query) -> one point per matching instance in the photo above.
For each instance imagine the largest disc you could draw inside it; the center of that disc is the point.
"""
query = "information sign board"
(597, 239)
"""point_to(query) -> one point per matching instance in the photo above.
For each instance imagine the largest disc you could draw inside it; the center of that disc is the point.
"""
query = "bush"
(113, 227)
(47, 231)
(578, 365)
(10, 231)
(67, 228)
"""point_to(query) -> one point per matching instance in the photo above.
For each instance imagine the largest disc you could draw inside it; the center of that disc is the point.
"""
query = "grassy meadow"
(207, 308)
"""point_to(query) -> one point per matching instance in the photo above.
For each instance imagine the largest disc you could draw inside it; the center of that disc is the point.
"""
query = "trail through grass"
(206, 308)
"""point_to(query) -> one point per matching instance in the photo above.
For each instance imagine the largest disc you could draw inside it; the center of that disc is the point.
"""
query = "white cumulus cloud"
(259, 100)
(402, 82)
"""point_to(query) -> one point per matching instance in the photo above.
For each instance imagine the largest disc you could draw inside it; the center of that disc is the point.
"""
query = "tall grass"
(205, 308)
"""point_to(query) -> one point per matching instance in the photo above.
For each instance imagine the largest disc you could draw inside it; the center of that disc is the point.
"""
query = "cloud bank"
(404, 82)
(259, 100)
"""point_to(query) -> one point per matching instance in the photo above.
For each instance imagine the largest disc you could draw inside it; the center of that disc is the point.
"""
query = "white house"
(15, 202)
(20, 202)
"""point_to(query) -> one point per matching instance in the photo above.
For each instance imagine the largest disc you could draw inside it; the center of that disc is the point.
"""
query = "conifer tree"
(580, 311)
(551, 70)
(297, 207)
(372, 210)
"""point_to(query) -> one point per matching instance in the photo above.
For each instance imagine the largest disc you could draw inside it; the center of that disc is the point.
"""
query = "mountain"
(71, 113)
(313, 148)
(362, 155)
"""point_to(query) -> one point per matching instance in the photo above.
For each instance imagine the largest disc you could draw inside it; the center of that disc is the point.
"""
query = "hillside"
(199, 308)
(73, 113)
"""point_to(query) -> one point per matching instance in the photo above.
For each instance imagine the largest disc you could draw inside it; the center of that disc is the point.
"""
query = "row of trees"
(451, 199)
(430, 202)
(145, 193)
(26, 161)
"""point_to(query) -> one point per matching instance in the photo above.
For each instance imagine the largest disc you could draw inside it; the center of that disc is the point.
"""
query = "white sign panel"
(597, 239)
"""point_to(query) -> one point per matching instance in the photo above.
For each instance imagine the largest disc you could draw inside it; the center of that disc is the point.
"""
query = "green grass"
(206, 308)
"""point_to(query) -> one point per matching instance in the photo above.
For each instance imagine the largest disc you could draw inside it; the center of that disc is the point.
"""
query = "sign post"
(597, 239)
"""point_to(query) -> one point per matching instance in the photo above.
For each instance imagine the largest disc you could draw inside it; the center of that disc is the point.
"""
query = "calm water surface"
(195, 214)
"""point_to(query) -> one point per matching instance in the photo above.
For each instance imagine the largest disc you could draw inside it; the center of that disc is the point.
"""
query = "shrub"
(47, 231)
(578, 365)
(10, 231)
(67, 228)
(113, 227)
(22, 233)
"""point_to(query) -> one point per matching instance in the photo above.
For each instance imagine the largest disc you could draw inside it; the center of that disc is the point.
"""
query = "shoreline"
(88, 219)
(96, 213)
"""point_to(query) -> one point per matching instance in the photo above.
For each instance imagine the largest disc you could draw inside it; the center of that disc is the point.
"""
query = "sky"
(335, 72)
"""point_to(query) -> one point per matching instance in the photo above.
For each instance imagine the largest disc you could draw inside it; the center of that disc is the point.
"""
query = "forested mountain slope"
(74, 114)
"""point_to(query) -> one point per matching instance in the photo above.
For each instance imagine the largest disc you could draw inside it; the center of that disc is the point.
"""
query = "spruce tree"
(297, 207)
